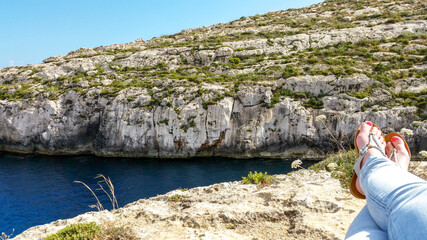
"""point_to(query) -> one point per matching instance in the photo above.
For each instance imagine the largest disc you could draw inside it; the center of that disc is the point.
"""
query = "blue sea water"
(37, 189)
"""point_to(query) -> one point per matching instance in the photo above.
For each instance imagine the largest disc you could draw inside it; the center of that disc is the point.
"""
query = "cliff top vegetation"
(383, 40)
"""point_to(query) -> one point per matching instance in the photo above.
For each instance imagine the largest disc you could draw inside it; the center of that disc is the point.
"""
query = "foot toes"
(398, 143)
(402, 155)
(362, 138)
(377, 132)
(366, 127)
(379, 135)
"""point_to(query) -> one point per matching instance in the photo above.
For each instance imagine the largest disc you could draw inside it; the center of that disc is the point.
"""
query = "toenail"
(369, 123)
(393, 139)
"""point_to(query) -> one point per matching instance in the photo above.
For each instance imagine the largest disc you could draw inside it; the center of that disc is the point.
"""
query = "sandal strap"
(365, 149)
(394, 154)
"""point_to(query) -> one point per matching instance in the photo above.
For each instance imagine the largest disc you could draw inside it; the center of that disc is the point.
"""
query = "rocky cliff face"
(249, 88)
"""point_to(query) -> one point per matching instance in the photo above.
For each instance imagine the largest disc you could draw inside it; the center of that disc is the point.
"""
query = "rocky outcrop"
(249, 88)
(300, 205)
(235, 127)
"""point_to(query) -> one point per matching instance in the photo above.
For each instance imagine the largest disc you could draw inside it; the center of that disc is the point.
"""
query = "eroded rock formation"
(249, 88)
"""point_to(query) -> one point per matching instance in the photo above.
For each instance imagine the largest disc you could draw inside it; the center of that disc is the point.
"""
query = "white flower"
(320, 118)
(296, 164)
(423, 153)
(406, 131)
(331, 166)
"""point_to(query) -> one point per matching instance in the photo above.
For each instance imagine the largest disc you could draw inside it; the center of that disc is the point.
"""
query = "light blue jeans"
(396, 203)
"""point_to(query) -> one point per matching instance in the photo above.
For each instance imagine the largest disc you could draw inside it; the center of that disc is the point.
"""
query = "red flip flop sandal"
(373, 143)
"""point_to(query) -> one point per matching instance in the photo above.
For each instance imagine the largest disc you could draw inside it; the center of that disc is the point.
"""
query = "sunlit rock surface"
(300, 205)
(252, 87)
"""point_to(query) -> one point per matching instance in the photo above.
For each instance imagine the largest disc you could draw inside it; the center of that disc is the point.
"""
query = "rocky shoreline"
(300, 205)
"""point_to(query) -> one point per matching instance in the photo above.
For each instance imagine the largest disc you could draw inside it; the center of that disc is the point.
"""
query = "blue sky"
(31, 31)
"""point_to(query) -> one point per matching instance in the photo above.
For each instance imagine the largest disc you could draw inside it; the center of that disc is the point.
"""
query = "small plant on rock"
(340, 165)
(257, 178)
(89, 231)
(234, 61)
(76, 232)
(176, 197)
(230, 226)
(290, 71)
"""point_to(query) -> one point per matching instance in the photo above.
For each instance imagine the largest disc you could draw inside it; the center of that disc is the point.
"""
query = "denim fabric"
(396, 201)
(364, 227)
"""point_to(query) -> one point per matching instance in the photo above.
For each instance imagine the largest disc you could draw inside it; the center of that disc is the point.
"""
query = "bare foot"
(363, 139)
(402, 154)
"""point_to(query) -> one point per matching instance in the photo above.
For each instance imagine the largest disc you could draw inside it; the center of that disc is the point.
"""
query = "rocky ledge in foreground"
(300, 205)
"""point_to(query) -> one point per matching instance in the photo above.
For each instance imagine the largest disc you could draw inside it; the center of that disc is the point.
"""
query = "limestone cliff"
(249, 88)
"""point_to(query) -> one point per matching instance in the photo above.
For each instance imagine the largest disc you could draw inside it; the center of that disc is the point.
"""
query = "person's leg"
(364, 139)
(396, 199)
(364, 227)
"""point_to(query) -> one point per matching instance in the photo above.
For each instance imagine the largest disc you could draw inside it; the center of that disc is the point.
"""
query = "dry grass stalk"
(4, 236)
(333, 137)
(347, 141)
(109, 231)
(110, 195)
(110, 186)
(98, 203)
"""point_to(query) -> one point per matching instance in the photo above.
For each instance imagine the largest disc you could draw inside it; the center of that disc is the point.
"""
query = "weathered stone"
(223, 54)
(204, 57)
(253, 95)
(82, 52)
(54, 59)
(301, 205)
(139, 40)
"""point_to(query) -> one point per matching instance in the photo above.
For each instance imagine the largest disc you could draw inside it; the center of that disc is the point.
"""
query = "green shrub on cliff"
(257, 178)
(314, 103)
(340, 165)
(234, 61)
(89, 231)
(290, 71)
(79, 231)
(176, 198)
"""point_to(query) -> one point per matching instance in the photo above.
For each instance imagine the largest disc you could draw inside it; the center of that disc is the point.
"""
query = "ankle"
(371, 152)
